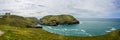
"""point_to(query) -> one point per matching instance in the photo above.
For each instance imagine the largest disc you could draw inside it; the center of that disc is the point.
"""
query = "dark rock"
(33, 26)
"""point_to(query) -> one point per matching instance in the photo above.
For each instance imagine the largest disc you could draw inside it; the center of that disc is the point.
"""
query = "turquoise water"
(87, 27)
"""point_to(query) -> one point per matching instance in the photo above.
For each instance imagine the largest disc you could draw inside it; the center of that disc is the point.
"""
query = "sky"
(77, 8)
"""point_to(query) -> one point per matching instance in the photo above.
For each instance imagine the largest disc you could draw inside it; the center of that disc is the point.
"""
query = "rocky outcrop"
(54, 20)
(34, 26)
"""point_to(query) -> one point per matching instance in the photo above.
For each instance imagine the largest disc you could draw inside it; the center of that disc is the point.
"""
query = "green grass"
(17, 21)
(18, 33)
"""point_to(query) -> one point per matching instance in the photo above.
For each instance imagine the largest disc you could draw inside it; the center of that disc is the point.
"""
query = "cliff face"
(54, 20)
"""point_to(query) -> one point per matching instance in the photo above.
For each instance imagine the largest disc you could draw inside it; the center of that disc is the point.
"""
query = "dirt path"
(1, 33)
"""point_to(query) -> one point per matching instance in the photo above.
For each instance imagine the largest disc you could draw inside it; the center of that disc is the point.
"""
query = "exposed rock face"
(54, 20)
(33, 26)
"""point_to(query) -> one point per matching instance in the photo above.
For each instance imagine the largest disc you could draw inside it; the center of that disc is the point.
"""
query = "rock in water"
(54, 20)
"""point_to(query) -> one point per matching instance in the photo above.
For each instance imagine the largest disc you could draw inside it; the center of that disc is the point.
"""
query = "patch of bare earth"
(1, 33)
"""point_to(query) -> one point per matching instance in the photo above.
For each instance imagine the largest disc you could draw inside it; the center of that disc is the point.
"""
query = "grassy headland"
(18, 21)
(54, 20)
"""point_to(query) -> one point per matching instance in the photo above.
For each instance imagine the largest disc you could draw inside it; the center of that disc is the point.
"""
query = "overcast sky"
(77, 8)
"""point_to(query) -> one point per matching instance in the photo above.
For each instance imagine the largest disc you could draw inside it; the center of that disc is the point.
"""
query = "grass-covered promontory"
(18, 21)
(53, 20)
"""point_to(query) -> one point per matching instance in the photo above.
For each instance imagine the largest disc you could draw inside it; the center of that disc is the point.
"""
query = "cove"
(87, 27)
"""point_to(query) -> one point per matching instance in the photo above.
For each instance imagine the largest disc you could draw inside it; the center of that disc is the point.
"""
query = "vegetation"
(18, 33)
(53, 20)
(14, 29)
(18, 21)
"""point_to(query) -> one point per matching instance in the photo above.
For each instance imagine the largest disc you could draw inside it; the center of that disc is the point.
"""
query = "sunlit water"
(86, 27)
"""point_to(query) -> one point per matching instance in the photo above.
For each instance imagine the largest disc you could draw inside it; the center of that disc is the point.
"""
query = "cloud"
(78, 8)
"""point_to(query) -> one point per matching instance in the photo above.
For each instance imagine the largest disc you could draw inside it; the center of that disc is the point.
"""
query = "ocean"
(87, 27)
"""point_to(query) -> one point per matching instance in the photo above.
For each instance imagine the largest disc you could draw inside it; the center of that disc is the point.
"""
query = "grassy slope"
(18, 21)
(18, 33)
